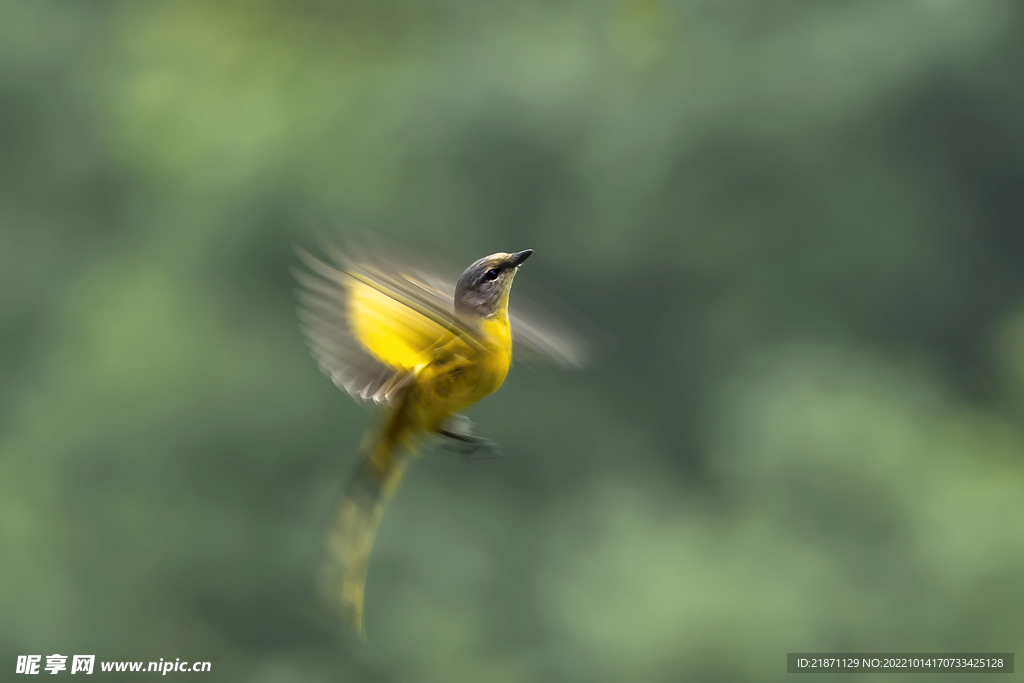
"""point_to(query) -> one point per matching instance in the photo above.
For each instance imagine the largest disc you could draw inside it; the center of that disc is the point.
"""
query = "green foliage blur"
(802, 222)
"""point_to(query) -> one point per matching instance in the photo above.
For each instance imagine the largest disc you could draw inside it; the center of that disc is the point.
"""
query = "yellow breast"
(461, 374)
(498, 358)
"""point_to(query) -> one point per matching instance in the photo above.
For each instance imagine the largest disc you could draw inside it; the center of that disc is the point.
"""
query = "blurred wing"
(383, 322)
(367, 327)
(537, 337)
(550, 334)
(373, 319)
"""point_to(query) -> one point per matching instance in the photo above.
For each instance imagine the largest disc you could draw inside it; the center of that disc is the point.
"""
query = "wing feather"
(323, 312)
(372, 317)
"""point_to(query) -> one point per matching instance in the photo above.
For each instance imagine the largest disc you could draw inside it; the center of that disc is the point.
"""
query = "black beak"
(517, 259)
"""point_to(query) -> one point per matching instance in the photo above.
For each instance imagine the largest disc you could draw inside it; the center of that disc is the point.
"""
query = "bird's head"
(483, 289)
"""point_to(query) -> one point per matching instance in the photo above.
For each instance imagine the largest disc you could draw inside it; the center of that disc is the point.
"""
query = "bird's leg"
(458, 430)
(471, 447)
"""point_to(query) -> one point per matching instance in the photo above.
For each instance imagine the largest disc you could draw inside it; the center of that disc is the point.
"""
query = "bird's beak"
(517, 259)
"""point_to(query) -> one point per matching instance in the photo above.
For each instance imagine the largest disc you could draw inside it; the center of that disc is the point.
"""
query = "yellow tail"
(342, 572)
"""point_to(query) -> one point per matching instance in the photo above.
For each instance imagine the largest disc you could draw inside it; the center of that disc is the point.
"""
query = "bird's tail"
(342, 572)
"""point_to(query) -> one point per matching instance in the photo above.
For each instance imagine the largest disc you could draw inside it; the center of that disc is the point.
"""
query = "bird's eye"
(491, 274)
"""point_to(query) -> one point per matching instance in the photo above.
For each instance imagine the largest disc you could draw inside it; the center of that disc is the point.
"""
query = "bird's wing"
(540, 337)
(542, 334)
(369, 323)
(375, 315)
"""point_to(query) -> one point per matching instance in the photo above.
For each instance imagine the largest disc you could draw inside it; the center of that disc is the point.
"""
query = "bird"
(400, 337)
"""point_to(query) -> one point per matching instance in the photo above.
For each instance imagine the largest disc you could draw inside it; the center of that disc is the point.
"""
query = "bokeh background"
(802, 223)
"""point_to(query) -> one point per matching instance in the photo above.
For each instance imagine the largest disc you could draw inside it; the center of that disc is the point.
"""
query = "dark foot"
(472, 448)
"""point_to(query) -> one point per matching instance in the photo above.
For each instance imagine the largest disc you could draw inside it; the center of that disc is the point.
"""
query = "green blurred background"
(802, 222)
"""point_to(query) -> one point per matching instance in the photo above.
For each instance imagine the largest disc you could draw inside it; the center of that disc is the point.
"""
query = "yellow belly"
(460, 375)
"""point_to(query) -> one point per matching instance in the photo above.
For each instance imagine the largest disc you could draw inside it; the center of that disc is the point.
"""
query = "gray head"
(483, 289)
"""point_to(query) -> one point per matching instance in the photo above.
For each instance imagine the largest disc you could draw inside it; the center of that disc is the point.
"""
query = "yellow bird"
(405, 339)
